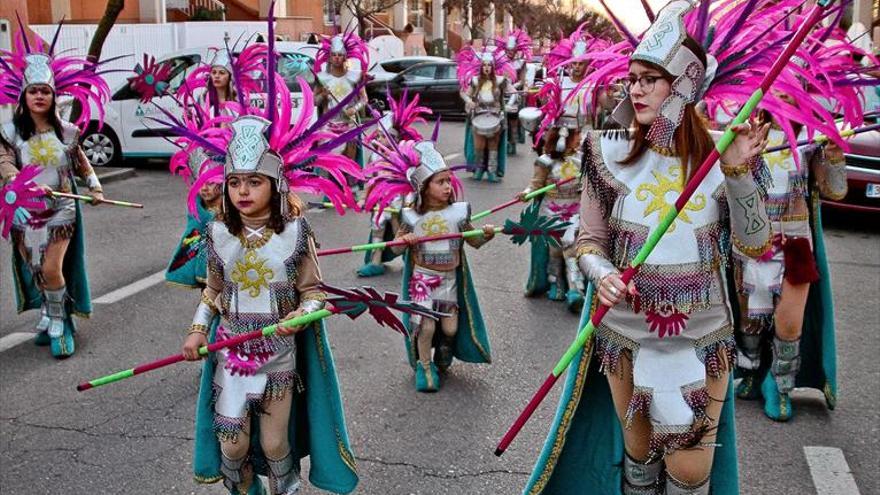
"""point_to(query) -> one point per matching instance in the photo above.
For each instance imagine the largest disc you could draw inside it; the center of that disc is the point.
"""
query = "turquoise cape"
(470, 153)
(592, 463)
(28, 295)
(387, 253)
(472, 340)
(317, 426)
(537, 283)
(189, 263)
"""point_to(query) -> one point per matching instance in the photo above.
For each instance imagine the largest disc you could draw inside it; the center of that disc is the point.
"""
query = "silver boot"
(283, 476)
(786, 363)
(233, 471)
(675, 487)
(55, 311)
(640, 478)
(748, 353)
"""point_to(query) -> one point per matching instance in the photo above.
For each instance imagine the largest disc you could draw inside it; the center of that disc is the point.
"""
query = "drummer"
(518, 47)
(484, 91)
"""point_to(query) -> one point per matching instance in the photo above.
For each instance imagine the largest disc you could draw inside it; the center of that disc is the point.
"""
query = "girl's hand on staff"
(97, 198)
(488, 232)
(833, 152)
(521, 196)
(286, 331)
(410, 239)
(612, 289)
(46, 189)
(192, 344)
(750, 141)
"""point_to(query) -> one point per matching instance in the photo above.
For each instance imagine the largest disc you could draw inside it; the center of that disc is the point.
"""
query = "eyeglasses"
(646, 82)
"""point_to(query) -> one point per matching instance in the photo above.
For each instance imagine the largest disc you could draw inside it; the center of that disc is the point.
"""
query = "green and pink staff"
(89, 199)
(351, 302)
(726, 139)
(824, 139)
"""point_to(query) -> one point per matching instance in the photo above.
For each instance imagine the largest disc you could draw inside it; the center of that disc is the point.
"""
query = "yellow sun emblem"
(252, 275)
(569, 169)
(781, 159)
(435, 225)
(43, 151)
(672, 183)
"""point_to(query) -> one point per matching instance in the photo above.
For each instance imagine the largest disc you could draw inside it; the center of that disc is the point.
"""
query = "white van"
(126, 132)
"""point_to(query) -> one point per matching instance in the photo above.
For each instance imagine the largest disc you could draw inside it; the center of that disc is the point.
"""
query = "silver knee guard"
(748, 353)
(233, 471)
(284, 476)
(786, 363)
(43, 323)
(56, 312)
(492, 163)
(675, 487)
(641, 478)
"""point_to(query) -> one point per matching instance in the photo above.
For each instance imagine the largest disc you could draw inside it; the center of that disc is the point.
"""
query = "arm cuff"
(595, 267)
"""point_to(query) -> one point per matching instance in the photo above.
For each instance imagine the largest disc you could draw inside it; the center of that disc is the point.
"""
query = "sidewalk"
(110, 174)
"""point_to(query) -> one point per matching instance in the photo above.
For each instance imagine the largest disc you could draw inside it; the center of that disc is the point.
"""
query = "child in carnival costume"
(398, 124)
(647, 407)
(517, 45)
(786, 329)
(554, 269)
(336, 81)
(436, 273)
(267, 403)
(485, 79)
(49, 268)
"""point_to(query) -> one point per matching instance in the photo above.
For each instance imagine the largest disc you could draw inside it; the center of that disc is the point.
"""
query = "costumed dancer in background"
(436, 273)
(267, 403)
(336, 81)
(399, 124)
(554, 269)
(486, 87)
(786, 328)
(647, 406)
(228, 78)
(49, 268)
(518, 47)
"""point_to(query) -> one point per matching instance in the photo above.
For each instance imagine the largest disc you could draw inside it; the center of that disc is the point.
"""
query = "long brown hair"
(691, 139)
(24, 121)
(231, 217)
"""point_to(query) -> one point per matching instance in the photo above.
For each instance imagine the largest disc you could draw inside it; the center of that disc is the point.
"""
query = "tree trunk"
(111, 13)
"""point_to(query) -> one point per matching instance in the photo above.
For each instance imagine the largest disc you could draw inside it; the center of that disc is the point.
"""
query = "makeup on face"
(648, 89)
(439, 188)
(249, 193)
(39, 98)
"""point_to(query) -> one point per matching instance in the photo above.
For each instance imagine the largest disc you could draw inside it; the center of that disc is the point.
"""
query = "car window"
(445, 72)
(293, 65)
(423, 73)
(180, 68)
(395, 67)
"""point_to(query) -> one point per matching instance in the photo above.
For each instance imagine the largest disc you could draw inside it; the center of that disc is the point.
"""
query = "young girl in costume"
(436, 273)
(517, 45)
(398, 124)
(647, 405)
(49, 266)
(485, 82)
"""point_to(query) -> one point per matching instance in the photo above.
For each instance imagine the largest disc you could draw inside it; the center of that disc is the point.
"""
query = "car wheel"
(379, 104)
(101, 147)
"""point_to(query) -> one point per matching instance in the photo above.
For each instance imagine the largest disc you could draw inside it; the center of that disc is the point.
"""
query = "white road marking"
(830, 472)
(131, 289)
(13, 339)
(451, 156)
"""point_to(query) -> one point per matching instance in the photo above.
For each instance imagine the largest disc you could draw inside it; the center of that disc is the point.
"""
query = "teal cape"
(472, 340)
(387, 253)
(470, 154)
(317, 426)
(28, 295)
(592, 463)
(193, 270)
(537, 283)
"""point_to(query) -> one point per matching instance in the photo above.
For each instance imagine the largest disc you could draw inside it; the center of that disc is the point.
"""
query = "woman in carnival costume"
(398, 124)
(647, 405)
(517, 45)
(266, 404)
(228, 78)
(786, 330)
(436, 273)
(485, 79)
(49, 268)
(336, 81)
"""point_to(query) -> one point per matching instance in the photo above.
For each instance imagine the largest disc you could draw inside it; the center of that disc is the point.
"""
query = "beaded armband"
(734, 170)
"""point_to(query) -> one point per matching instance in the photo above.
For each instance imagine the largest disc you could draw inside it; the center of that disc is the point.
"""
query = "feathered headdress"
(517, 41)
(244, 69)
(401, 118)
(470, 62)
(191, 160)
(70, 76)
(347, 43)
(574, 48)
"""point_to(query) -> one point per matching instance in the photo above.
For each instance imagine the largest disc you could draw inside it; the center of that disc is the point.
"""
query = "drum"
(530, 118)
(487, 124)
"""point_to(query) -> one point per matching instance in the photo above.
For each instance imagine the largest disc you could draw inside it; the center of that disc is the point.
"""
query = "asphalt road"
(135, 437)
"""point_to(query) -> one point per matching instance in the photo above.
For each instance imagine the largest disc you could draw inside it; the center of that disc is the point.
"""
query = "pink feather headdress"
(741, 40)
(575, 48)
(522, 43)
(470, 62)
(404, 114)
(552, 106)
(244, 67)
(347, 41)
(67, 75)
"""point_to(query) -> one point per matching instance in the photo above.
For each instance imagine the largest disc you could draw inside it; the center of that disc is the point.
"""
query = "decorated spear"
(585, 333)
(530, 227)
(90, 199)
(18, 198)
(351, 302)
(823, 139)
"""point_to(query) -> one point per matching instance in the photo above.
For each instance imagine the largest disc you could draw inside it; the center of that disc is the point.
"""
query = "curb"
(114, 175)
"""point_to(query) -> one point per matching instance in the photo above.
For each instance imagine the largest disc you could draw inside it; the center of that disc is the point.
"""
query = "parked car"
(435, 82)
(387, 69)
(862, 175)
(128, 133)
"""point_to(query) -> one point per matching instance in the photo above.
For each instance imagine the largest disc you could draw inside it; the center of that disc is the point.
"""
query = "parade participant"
(49, 268)
(485, 82)
(398, 124)
(436, 273)
(518, 48)
(786, 307)
(336, 81)
(555, 270)
(228, 78)
(659, 362)
(265, 404)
